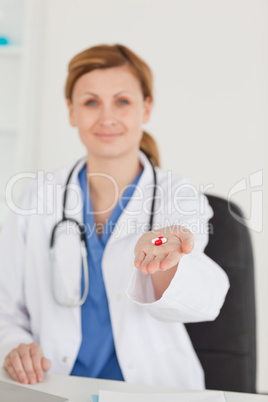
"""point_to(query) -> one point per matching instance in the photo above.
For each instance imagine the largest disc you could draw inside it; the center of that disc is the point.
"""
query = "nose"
(107, 116)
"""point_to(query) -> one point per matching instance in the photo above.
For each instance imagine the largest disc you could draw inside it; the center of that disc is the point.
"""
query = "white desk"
(78, 389)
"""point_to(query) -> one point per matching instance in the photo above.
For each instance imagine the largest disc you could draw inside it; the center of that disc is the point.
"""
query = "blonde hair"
(107, 56)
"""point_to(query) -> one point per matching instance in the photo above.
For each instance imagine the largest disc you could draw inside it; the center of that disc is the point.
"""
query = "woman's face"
(108, 108)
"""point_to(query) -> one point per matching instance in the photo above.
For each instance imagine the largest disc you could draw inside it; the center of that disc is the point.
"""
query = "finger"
(146, 262)
(8, 367)
(36, 356)
(170, 260)
(186, 238)
(187, 245)
(154, 265)
(46, 364)
(18, 368)
(27, 363)
(140, 255)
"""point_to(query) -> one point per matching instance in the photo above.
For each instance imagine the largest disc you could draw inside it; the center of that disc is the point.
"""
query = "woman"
(130, 326)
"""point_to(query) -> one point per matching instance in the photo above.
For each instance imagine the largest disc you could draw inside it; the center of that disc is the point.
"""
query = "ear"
(147, 109)
(71, 113)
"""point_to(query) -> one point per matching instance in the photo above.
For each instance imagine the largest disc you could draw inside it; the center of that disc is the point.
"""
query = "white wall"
(210, 63)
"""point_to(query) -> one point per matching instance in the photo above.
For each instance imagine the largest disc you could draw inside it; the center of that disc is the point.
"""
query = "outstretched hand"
(150, 258)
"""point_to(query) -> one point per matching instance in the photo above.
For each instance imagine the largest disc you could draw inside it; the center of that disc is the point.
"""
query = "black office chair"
(226, 347)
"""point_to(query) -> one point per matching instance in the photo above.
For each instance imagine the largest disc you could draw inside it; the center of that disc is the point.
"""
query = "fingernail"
(24, 380)
(32, 380)
(40, 377)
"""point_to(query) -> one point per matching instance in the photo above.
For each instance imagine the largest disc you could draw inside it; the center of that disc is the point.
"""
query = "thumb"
(186, 238)
(46, 364)
(187, 245)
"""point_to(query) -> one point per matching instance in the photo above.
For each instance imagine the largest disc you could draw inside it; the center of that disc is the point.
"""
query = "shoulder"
(173, 182)
(174, 178)
(184, 198)
(44, 186)
(61, 174)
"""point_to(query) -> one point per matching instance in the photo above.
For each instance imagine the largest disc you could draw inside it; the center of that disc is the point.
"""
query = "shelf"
(20, 62)
(9, 50)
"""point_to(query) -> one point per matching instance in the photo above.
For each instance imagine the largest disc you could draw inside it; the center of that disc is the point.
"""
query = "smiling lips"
(108, 136)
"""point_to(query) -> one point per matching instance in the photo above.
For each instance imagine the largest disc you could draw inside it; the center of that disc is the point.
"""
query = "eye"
(91, 103)
(123, 102)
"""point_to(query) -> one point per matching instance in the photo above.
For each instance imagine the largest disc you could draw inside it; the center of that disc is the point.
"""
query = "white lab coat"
(151, 342)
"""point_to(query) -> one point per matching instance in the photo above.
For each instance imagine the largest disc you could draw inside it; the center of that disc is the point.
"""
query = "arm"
(196, 287)
(14, 319)
(19, 354)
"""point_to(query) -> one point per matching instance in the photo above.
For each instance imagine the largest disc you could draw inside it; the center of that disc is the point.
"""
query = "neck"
(110, 176)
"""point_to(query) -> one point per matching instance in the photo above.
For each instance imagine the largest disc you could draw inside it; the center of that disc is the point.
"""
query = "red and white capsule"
(159, 240)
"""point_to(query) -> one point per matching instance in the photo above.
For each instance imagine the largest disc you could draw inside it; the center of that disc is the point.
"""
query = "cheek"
(85, 119)
(134, 119)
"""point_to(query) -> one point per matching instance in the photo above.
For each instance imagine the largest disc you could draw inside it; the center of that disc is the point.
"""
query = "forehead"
(108, 80)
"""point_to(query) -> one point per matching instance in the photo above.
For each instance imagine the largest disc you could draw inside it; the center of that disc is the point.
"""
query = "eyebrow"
(92, 93)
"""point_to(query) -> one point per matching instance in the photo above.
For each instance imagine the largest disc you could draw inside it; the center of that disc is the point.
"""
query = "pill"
(159, 240)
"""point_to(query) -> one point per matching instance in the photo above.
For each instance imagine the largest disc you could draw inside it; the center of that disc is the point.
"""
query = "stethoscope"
(83, 242)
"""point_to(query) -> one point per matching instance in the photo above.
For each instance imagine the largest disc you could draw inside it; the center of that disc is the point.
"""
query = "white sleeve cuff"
(196, 292)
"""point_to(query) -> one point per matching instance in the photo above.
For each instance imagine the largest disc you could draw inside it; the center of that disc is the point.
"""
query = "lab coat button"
(65, 359)
(119, 297)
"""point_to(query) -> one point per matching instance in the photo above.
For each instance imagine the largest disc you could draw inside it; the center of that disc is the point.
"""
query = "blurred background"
(209, 60)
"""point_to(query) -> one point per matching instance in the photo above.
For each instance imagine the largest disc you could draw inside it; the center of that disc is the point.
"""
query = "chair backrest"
(226, 347)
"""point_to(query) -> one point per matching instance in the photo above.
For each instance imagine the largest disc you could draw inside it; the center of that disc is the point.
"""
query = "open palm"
(151, 258)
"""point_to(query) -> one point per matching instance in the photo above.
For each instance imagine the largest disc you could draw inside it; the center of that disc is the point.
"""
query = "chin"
(111, 153)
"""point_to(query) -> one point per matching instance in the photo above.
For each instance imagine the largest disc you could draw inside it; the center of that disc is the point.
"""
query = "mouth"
(108, 136)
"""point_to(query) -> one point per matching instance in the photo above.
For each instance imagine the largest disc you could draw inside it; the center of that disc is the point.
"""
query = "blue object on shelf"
(3, 41)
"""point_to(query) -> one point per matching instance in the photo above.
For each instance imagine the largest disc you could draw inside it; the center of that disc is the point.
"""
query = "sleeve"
(14, 318)
(199, 286)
